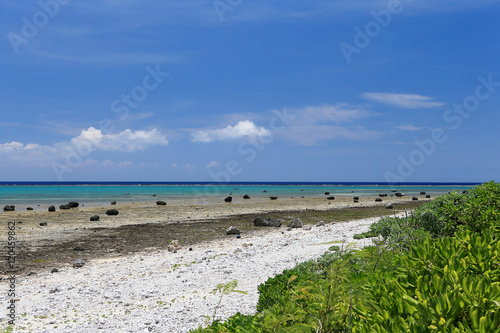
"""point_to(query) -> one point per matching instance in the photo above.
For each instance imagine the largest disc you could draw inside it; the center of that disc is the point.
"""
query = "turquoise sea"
(29, 193)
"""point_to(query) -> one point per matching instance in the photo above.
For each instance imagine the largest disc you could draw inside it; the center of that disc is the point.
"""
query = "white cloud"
(212, 164)
(88, 141)
(127, 140)
(405, 101)
(410, 128)
(244, 128)
(321, 123)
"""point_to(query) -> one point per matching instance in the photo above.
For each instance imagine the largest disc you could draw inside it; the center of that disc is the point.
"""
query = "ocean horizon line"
(232, 183)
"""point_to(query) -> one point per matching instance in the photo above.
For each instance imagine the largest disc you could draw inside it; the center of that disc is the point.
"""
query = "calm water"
(94, 193)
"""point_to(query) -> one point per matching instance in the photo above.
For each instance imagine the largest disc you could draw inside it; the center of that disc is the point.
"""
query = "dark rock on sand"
(228, 199)
(52, 209)
(327, 193)
(382, 195)
(389, 206)
(112, 212)
(399, 194)
(94, 218)
(78, 248)
(9, 208)
(161, 203)
(378, 199)
(73, 204)
(428, 196)
(113, 202)
(273, 198)
(266, 222)
(414, 198)
(43, 224)
(78, 263)
(232, 231)
(330, 198)
(422, 193)
(64, 207)
(29, 208)
(296, 223)
(246, 196)
(356, 198)
(54, 270)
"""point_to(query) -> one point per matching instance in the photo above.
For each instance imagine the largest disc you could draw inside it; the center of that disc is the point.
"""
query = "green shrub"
(444, 285)
(477, 210)
(273, 291)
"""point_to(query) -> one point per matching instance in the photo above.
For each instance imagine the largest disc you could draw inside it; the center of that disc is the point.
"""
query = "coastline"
(131, 281)
(159, 291)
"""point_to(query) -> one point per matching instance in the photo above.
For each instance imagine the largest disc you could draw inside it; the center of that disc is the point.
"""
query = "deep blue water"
(44, 193)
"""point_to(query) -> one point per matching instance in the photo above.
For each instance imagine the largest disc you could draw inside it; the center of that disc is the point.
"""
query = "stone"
(422, 193)
(356, 198)
(289, 229)
(232, 231)
(273, 198)
(78, 263)
(228, 199)
(428, 196)
(389, 206)
(246, 196)
(414, 198)
(94, 218)
(113, 202)
(52, 209)
(78, 248)
(321, 224)
(161, 203)
(9, 208)
(238, 236)
(382, 195)
(307, 227)
(330, 198)
(327, 193)
(174, 246)
(378, 199)
(64, 207)
(43, 224)
(73, 204)
(295, 223)
(266, 222)
(399, 194)
(112, 212)
(29, 208)
(54, 270)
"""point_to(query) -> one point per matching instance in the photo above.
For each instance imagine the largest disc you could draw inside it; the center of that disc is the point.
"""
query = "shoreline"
(142, 226)
(159, 291)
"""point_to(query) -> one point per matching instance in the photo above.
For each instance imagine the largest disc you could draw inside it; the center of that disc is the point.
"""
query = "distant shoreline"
(137, 183)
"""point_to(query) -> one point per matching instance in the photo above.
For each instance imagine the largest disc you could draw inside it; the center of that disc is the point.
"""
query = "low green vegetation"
(434, 270)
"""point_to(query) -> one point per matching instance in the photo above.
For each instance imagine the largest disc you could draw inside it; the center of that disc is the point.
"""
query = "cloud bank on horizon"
(109, 90)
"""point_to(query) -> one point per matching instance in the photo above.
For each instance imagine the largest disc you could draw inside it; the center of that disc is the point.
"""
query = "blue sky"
(245, 90)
